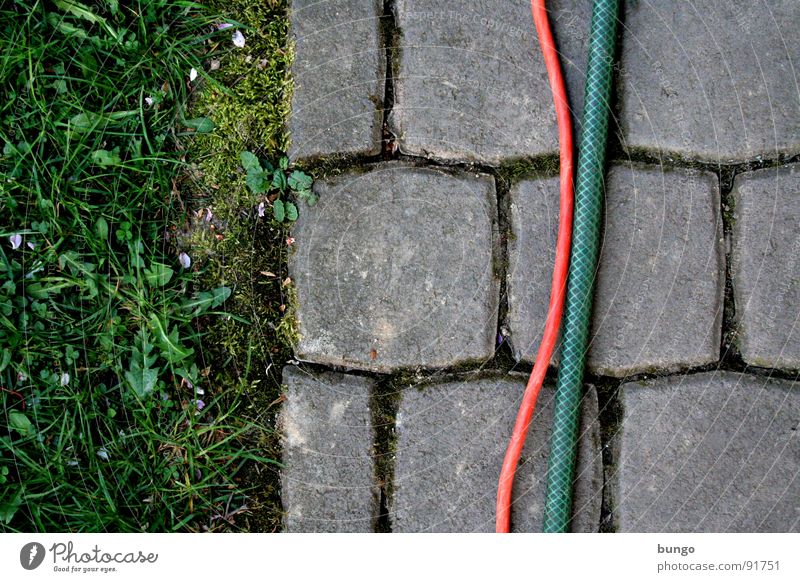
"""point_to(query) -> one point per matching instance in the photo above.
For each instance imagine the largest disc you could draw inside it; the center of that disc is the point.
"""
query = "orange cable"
(560, 268)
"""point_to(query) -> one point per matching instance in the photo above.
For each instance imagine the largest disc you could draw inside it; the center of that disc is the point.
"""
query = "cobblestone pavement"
(423, 274)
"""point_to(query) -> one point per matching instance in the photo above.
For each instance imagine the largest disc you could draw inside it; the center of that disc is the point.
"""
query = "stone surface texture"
(534, 216)
(339, 74)
(659, 296)
(451, 439)
(711, 452)
(328, 481)
(713, 81)
(766, 266)
(659, 292)
(471, 84)
(395, 269)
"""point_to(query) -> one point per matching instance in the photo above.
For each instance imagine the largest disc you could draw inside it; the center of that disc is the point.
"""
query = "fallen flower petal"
(224, 25)
(193, 74)
(149, 101)
(209, 215)
(238, 39)
(261, 210)
(185, 260)
(64, 379)
(200, 405)
(31, 245)
(16, 241)
(103, 453)
(290, 241)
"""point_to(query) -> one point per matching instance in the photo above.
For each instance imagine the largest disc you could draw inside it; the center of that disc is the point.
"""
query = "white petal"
(16, 240)
(193, 74)
(31, 245)
(238, 38)
(149, 101)
(209, 215)
(64, 379)
(224, 25)
(185, 260)
(261, 210)
(103, 454)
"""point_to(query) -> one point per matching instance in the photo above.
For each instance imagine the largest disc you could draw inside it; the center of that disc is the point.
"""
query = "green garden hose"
(583, 262)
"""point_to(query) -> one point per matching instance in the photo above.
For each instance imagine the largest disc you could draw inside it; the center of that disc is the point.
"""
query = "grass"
(136, 388)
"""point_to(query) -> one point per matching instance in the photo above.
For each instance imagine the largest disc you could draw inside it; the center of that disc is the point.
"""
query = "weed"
(264, 178)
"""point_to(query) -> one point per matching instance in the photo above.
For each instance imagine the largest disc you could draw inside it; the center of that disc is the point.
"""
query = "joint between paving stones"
(503, 356)
(384, 403)
(669, 160)
(729, 355)
(506, 174)
(609, 408)
(390, 34)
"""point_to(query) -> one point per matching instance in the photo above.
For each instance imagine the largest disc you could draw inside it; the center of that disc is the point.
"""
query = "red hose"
(558, 287)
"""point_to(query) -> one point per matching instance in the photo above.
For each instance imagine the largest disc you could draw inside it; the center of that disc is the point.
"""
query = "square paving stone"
(470, 82)
(766, 266)
(711, 452)
(339, 73)
(659, 289)
(451, 440)
(328, 480)
(713, 80)
(394, 269)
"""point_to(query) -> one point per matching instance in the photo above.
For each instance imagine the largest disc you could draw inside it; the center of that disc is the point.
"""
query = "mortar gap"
(610, 419)
(384, 403)
(675, 160)
(503, 356)
(389, 35)
(728, 353)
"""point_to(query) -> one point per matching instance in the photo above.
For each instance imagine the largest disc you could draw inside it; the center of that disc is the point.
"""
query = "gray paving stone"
(328, 480)
(531, 254)
(451, 439)
(658, 298)
(339, 73)
(713, 80)
(711, 452)
(471, 84)
(766, 266)
(394, 269)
